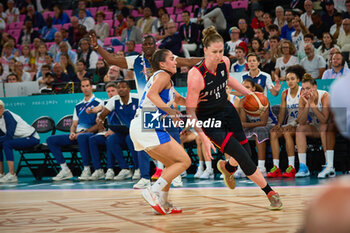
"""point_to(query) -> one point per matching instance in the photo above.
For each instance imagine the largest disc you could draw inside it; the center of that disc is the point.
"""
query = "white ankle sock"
(291, 160)
(302, 158)
(160, 165)
(64, 166)
(163, 197)
(201, 165)
(208, 165)
(261, 163)
(330, 158)
(276, 162)
(159, 185)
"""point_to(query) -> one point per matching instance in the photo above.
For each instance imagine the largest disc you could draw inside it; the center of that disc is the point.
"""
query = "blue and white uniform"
(263, 79)
(292, 105)
(146, 139)
(15, 133)
(311, 118)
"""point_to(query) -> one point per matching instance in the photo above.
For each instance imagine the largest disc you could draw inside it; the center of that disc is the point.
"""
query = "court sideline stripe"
(67, 207)
(133, 221)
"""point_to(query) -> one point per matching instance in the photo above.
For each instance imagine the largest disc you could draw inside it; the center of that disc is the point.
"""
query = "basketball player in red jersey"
(209, 77)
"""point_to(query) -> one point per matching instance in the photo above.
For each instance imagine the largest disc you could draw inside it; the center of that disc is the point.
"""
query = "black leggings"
(230, 139)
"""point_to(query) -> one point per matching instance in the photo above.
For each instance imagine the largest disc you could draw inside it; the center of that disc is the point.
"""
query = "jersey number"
(217, 95)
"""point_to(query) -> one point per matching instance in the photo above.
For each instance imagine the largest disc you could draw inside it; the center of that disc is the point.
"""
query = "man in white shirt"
(87, 21)
(344, 37)
(313, 63)
(306, 17)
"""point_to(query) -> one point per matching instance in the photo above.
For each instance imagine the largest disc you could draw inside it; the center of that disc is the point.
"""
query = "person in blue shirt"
(173, 41)
(123, 107)
(15, 133)
(48, 32)
(60, 17)
(286, 30)
(83, 126)
(35, 16)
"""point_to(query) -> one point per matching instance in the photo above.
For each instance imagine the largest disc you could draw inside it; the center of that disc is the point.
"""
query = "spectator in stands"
(216, 17)
(256, 128)
(298, 34)
(280, 20)
(266, 64)
(82, 6)
(15, 134)
(68, 66)
(157, 21)
(344, 37)
(82, 73)
(286, 30)
(48, 32)
(130, 48)
(60, 76)
(40, 58)
(113, 74)
(64, 49)
(241, 64)
(173, 40)
(313, 117)
(2, 12)
(42, 79)
(15, 51)
(346, 15)
(83, 126)
(101, 28)
(230, 46)
(286, 125)
(331, 53)
(308, 38)
(190, 34)
(142, 4)
(256, 46)
(124, 106)
(12, 12)
(28, 33)
(6, 55)
(318, 27)
(48, 59)
(338, 70)
(11, 65)
(313, 63)
(261, 78)
(86, 54)
(306, 17)
(258, 20)
(36, 44)
(267, 21)
(274, 49)
(273, 31)
(27, 59)
(120, 9)
(35, 16)
(21, 74)
(165, 19)
(12, 78)
(101, 71)
(260, 34)
(288, 59)
(2, 25)
(55, 48)
(327, 16)
(246, 33)
(145, 22)
(327, 44)
(337, 26)
(120, 24)
(3, 73)
(85, 20)
(59, 17)
(73, 32)
(131, 32)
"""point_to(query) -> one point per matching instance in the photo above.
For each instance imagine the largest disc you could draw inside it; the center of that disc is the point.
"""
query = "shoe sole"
(65, 178)
(276, 208)
(148, 198)
(225, 180)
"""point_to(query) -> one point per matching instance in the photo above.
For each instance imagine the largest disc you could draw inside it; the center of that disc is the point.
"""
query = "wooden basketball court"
(123, 210)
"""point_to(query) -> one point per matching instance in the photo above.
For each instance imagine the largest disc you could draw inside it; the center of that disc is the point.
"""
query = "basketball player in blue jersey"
(141, 66)
(209, 78)
(287, 123)
(15, 133)
(158, 98)
(83, 126)
(313, 119)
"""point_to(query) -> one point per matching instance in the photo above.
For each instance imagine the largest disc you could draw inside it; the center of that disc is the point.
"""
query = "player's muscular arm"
(179, 100)
(282, 112)
(324, 115)
(303, 111)
(187, 61)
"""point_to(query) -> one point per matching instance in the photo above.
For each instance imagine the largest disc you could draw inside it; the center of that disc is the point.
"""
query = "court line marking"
(67, 207)
(132, 221)
(128, 189)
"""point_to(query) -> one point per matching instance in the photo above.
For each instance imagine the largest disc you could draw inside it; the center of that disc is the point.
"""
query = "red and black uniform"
(230, 137)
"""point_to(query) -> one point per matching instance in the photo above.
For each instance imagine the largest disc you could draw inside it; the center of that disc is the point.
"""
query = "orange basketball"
(254, 105)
